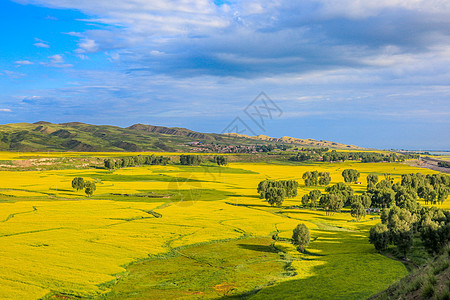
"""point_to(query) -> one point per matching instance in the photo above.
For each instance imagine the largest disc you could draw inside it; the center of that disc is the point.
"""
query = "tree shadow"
(259, 248)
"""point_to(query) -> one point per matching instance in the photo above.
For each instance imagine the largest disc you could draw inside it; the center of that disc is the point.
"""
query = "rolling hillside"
(76, 136)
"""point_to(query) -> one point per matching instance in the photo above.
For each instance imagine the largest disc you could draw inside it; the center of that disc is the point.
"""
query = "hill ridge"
(78, 136)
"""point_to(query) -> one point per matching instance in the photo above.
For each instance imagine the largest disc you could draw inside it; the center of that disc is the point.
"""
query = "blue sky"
(370, 73)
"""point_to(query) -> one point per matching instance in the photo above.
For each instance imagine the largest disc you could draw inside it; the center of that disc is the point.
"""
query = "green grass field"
(212, 238)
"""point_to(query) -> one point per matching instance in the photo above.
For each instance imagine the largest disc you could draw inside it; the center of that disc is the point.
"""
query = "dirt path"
(428, 163)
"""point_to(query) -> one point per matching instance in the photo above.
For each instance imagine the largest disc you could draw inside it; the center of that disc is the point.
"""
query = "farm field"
(148, 231)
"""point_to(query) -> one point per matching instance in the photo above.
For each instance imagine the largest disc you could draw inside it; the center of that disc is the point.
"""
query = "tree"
(275, 196)
(190, 160)
(442, 194)
(314, 195)
(221, 160)
(78, 183)
(305, 200)
(350, 175)
(289, 186)
(427, 193)
(110, 164)
(301, 236)
(379, 236)
(341, 190)
(310, 178)
(358, 211)
(324, 178)
(372, 180)
(90, 188)
(331, 203)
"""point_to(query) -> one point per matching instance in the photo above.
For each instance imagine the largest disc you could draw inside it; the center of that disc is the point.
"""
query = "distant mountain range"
(76, 136)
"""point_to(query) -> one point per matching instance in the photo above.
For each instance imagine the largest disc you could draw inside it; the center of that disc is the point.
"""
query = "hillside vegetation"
(76, 136)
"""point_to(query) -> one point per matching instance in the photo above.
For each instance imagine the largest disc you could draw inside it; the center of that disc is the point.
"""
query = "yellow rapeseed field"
(55, 239)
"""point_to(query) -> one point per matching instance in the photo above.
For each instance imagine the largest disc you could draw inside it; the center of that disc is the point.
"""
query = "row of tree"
(444, 164)
(274, 191)
(365, 157)
(190, 160)
(315, 178)
(133, 161)
(399, 226)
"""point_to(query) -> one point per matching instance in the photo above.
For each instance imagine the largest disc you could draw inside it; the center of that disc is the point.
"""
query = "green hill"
(81, 137)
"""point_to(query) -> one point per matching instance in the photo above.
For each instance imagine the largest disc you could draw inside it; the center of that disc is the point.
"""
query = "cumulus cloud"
(259, 38)
(377, 56)
(5, 110)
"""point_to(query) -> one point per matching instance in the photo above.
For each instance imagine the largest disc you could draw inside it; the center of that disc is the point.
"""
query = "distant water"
(439, 152)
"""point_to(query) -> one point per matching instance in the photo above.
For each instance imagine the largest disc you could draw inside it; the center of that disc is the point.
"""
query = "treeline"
(336, 197)
(274, 191)
(431, 188)
(190, 160)
(195, 160)
(399, 227)
(365, 157)
(403, 218)
(133, 161)
(306, 154)
(444, 164)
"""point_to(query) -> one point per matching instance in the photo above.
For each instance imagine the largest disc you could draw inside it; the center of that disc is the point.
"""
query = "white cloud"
(5, 110)
(12, 74)
(57, 61)
(23, 62)
(41, 45)
(87, 46)
(368, 8)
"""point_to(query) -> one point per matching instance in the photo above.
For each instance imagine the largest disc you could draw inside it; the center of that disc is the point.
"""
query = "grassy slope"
(431, 281)
(84, 138)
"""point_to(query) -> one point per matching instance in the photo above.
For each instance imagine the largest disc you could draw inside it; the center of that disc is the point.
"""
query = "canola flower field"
(56, 241)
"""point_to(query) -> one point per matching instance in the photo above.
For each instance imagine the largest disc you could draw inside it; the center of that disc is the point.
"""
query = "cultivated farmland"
(168, 232)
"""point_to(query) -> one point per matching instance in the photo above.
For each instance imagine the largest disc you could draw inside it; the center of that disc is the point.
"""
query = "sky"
(370, 73)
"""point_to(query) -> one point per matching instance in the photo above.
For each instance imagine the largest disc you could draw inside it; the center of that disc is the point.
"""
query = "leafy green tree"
(341, 190)
(263, 186)
(314, 196)
(275, 196)
(78, 183)
(427, 193)
(90, 188)
(310, 178)
(358, 211)
(372, 180)
(350, 175)
(110, 164)
(400, 223)
(383, 198)
(221, 160)
(331, 203)
(442, 193)
(289, 186)
(305, 200)
(301, 237)
(324, 178)
(379, 236)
